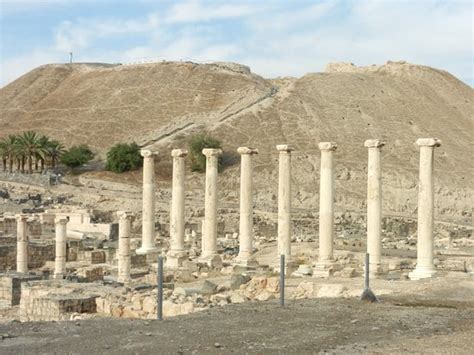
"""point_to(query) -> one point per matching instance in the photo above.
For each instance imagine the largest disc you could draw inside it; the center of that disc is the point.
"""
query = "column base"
(421, 272)
(324, 268)
(175, 259)
(247, 262)
(58, 276)
(213, 260)
(375, 270)
(146, 250)
(290, 267)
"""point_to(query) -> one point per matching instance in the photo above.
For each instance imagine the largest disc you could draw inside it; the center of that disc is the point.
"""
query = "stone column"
(425, 248)
(374, 205)
(60, 259)
(284, 201)
(209, 237)
(176, 255)
(246, 208)
(148, 217)
(21, 243)
(125, 223)
(326, 210)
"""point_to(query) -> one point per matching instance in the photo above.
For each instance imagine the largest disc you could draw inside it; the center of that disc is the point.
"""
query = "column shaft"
(124, 262)
(209, 239)
(246, 204)
(326, 203)
(148, 217)
(425, 248)
(177, 202)
(21, 244)
(374, 205)
(284, 201)
(60, 259)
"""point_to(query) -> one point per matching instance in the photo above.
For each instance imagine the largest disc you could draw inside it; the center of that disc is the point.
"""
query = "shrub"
(77, 155)
(196, 145)
(123, 157)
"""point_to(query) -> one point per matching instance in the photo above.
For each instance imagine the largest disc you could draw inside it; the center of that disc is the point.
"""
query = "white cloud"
(275, 38)
(199, 11)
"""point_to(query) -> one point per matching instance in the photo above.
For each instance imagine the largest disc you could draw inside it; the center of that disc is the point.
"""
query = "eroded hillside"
(162, 104)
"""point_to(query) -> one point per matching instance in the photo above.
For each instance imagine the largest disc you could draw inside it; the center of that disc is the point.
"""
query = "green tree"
(77, 155)
(123, 157)
(196, 145)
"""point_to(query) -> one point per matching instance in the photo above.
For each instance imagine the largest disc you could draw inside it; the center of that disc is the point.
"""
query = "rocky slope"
(162, 104)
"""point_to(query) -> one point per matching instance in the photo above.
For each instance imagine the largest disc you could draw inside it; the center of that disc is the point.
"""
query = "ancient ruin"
(87, 247)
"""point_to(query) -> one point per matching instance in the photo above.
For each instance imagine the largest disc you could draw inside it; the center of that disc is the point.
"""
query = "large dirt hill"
(161, 104)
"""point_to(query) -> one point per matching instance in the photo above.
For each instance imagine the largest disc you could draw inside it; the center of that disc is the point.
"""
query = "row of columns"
(209, 254)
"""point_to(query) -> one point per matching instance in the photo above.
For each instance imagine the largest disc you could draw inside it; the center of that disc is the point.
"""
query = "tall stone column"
(374, 205)
(246, 208)
(125, 223)
(148, 217)
(176, 255)
(284, 201)
(326, 210)
(425, 248)
(60, 259)
(21, 243)
(209, 237)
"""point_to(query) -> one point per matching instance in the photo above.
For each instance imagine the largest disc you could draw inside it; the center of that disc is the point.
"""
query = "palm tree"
(3, 154)
(9, 150)
(54, 151)
(30, 146)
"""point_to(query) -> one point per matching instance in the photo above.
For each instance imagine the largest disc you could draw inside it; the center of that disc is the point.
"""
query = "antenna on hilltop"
(70, 57)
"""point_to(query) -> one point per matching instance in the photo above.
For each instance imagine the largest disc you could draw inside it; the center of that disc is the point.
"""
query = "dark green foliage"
(77, 155)
(123, 157)
(196, 145)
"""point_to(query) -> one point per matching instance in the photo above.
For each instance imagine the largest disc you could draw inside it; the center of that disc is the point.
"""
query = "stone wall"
(38, 253)
(53, 301)
(10, 286)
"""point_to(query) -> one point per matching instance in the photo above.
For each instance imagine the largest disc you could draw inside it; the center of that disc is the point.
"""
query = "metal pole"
(366, 271)
(282, 280)
(159, 300)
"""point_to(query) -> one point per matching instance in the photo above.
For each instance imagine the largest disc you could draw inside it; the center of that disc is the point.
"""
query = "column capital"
(247, 150)
(179, 153)
(146, 153)
(327, 146)
(428, 142)
(374, 143)
(61, 220)
(212, 152)
(21, 217)
(285, 148)
(125, 215)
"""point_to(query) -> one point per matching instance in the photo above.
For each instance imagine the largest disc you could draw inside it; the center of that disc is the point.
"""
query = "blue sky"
(274, 38)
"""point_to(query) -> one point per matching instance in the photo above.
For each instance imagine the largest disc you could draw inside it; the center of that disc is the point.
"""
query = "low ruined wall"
(53, 301)
(38, 254)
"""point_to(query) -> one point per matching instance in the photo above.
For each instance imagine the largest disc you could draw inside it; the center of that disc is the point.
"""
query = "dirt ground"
(332, 325)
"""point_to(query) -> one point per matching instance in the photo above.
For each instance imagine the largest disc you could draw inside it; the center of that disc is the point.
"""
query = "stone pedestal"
(61, 253)
(245, 257)
(425, 247)
(21, 243)
(176, 255)
(124, 258)
(209, 237)
(374, 206)
(148, 217)
(325, 263)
